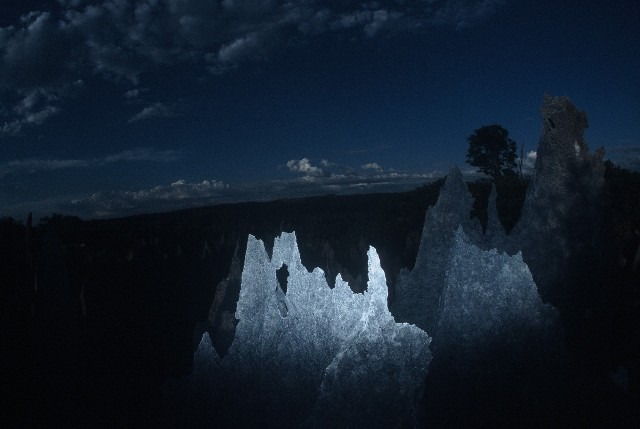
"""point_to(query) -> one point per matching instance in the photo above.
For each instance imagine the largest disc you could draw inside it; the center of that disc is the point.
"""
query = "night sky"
(116, 107)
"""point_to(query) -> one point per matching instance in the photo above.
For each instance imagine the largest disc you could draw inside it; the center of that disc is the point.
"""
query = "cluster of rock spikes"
(315, 356)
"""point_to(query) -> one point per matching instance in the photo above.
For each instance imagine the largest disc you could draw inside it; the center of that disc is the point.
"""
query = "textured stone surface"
(301, 356)
(558, 232)
(497, 348)
(418, 290)
(558, 228)
(489, 298)
(222, 321)
(494, 234)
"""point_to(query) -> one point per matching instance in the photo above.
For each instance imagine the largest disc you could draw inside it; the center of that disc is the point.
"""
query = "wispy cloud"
(32, 108)
(625, 156)
(156, 110)
(34, 165)
(142, 154)
(178, 194)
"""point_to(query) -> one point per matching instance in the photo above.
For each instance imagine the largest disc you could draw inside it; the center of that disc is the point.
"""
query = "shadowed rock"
(418, 291)
(558, 230)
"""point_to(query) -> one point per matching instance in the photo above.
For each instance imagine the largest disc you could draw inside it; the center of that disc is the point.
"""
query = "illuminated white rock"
(300, 357)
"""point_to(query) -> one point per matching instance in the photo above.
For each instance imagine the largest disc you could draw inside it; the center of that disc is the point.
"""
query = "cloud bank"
(49, 54)
(107, 204)
(308, 180)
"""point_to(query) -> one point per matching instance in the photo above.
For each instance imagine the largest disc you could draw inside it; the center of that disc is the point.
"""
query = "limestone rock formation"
(557, 233)
(494, 235)
(558, 228)
(297, 357)
(489, 299)
(222, 321)
(418, 291)
(497, 347)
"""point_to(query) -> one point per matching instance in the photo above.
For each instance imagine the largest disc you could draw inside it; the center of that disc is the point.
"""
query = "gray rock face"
(489, 298)
(418, 291)
(558, 227)
(221, 315)
(557, 232)
(321, 357)
(497, 348)
(307, 355)
(494, 235)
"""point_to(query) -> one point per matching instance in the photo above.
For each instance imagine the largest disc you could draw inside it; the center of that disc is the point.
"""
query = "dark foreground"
(97, 316)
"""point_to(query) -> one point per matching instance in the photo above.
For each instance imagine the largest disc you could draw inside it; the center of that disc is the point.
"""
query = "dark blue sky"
(127, 106)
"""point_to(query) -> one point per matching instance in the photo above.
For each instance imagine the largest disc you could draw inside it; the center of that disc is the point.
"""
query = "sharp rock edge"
(418, 291)
(557, 232)
(315, 355)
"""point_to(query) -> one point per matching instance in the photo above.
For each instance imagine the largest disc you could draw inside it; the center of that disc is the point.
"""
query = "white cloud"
(371, 166)
(529, 162)
(33, 108)
(337, 174)
(304, 166)
(179, 194)
(132, 93)
(38, 117)
(238, 49)
(156, 110)
(178, 190)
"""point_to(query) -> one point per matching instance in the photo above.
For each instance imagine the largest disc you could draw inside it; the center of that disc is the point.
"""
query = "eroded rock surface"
(558, 230)
(489, 298)
(418, 291)
(298, 358)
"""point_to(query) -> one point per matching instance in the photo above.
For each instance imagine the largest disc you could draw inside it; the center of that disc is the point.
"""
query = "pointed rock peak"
(454, 196)
(493, 221)
(236, 260)
(377, 281)
(285, 251)
(493, 195)
(563, 128)
(205, 343)
(454, 180)
(459, 237)
(298, 356)
(256, 247)
(561, 112)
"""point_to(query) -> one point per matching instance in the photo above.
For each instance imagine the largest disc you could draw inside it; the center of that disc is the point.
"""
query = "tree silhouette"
(492, 151)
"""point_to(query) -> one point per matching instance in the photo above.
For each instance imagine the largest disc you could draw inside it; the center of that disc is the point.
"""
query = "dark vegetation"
(492, 151)
(96, 314)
